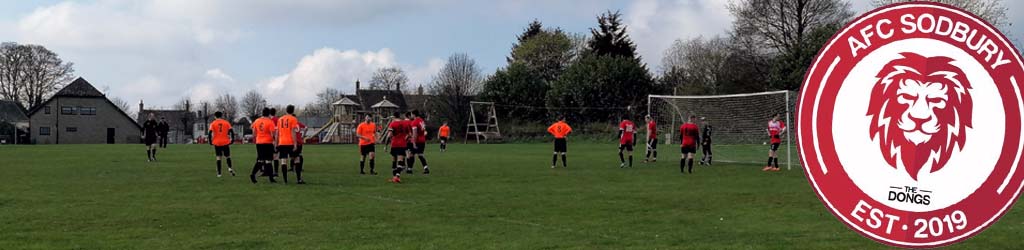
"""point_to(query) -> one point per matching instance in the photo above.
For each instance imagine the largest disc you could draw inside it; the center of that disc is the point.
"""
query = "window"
(46, 110)
(44, 130)
(67, 110)
(72, 129)
(87, 110)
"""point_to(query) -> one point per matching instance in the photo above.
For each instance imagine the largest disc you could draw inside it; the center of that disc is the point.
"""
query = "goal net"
(739, 123)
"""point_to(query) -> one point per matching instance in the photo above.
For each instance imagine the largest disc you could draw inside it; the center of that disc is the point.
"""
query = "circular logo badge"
(909, 125)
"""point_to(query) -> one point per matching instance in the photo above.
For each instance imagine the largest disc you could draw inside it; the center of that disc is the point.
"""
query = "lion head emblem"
(920, 108)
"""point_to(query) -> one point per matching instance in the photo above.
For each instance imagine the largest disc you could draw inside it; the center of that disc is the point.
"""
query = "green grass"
(479, 197)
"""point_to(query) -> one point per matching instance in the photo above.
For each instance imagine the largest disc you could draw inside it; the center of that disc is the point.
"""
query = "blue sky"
(161, 51)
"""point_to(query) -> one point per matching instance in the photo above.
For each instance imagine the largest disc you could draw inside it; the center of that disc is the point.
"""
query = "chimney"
(141, 106)
(419, 91)
(398, 87)
(188, 105)
(357, 85)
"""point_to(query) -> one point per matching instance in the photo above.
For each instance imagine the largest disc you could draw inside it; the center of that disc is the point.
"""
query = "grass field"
(478, 197)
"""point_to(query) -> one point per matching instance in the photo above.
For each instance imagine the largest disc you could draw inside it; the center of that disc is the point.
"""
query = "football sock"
(554, 159)
(371, 165)
(631, 161)
(423, 160)
(394, 164)
(564, 163)
(411, 161)
(655, 154)
(690, 168)
(682, 165)
(277, 167)
(229, 164)
(776, 162)
(298, 171)
(256, 168)
(218, 167)
(284, 174)
(362, 165)
(648, 155)
(149, 154)
(769, 161)
(622, 160)
(709, 159)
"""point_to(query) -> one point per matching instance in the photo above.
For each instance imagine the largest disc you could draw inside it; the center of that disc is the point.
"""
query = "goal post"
(736, 119)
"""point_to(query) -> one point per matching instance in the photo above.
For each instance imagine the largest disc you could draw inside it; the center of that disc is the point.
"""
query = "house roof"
(79, 88)
(82, 89)
(384, 104)
(369, 98)
(418, 101)
(12, 111)
(346, 102)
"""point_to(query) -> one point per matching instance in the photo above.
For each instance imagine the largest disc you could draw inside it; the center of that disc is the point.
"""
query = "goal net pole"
(742, 117)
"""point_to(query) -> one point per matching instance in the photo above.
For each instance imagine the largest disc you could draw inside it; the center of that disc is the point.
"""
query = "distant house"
(182, 123)
(14, 123)
(80, 114)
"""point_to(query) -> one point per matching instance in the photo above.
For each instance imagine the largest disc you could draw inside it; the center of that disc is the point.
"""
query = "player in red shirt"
(652, 140)
(775, 130)
(419, 135)
(627, 130)
(398, 133)
(689, 135)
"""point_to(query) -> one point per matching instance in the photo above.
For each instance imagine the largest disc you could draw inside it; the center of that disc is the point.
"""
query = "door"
(110, 135)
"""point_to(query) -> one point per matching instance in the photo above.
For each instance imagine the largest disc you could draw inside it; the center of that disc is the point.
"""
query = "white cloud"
(654, 25)
(333, 68)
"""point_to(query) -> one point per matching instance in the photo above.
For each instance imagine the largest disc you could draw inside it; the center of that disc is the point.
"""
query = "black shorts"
(774, 147)
(652, 143)
(560, 145)
(297, 152)
(398, 151)
(264, 152)
(150, 140)
(419, 148)
(367, 149)
(627, 147)
(222, 151)
(284, 151)
(688, 150)
(443, 138)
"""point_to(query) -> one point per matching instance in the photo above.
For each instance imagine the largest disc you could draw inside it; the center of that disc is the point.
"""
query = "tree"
(454, 86)
(321, 107)
(697, 65)
(546, 53)
(31, 73)
(252, 104)
(791, 30)
(992, 11)
(598, 88)
(123, 106)
(228, 105)
(518, 87)
(610, 38)
(390, 78)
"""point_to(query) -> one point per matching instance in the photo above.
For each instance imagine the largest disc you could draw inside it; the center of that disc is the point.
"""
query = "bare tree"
(184, 104)
(321, 107)
(31, 73)
(454, 86)
(992, 11)
(252, 104)
(785, 25)
(390, 78)
(123, 106)
(700, 62)
(227, 104)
